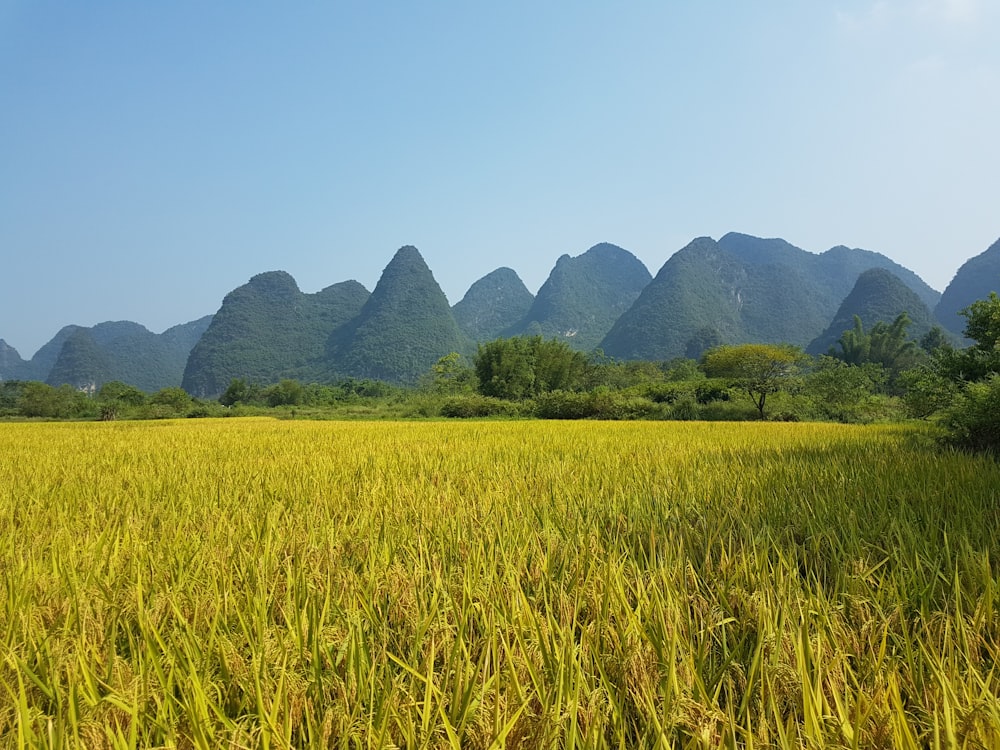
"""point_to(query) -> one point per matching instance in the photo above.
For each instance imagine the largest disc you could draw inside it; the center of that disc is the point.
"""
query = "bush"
(473, 405)
(668, 393)
(711, 391)
(421, 405)
(925, 392)
(564, 405)
(65, 402)
(974, 417)
(684, 410)
(598, 404)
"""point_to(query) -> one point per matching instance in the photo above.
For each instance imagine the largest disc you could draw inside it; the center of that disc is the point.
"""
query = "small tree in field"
(758, 369)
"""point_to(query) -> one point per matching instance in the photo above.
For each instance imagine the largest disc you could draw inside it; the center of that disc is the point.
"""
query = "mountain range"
(119, 350)
(734, 290)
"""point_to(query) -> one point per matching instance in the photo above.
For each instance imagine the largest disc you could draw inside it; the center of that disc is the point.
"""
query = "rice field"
(248, 583)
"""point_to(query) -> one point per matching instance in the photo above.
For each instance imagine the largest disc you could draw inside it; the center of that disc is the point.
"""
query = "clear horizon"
(155, 158)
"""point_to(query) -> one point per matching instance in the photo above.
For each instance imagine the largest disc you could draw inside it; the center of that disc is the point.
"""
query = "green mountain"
(974, 280)
(831, 274)
(120, 350)
(737, 290)
(493, 304)
(878, 296)
(81, 362)
(45, 358)
(584, 296)
(405, 326)
(12, 367)
(693, 303)
(151, 361)
(267, 330)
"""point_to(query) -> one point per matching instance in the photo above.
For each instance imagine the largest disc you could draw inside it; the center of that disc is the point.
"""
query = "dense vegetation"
(975, 280)
(683, 311)
(874, 374)
(477, 585)
(877, 297)
(81, 362)
(740, 289)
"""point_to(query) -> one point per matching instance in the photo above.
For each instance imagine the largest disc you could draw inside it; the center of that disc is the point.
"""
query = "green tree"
(982, 359)
(115, 396)
(172, 399)
(682, 369)
(64, 402)
(451, 375)
(891, 347)
(522, 367)
(10, 393)
(934, 339)
(287, 392)
(973, 418)
(983, 323)
(925, 391)
(122, 393)
(886, 344)
(505, 368)
(757, 369)
(838, 388)
(240, 391)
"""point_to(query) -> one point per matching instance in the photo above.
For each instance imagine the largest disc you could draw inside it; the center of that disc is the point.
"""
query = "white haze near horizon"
(152, 158)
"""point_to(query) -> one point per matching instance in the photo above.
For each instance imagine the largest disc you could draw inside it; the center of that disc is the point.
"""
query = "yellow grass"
(255, 583)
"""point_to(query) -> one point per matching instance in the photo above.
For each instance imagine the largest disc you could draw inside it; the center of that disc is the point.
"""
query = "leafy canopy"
(525, 366)
(759, 369)
(981, 359)
(886, 344)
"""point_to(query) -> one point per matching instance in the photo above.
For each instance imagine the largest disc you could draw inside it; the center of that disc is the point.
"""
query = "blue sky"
(153, 156)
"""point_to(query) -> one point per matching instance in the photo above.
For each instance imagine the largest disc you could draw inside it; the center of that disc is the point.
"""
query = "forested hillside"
(115, 350)
(584, 296)
(493, 304)
(739, 289)
(831, 274)
(268, 329)
(878, 296)
(976, 278)
(403, 328)
(12, 367)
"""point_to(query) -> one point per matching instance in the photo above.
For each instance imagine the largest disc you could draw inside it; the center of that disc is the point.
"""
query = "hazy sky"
(153, 156)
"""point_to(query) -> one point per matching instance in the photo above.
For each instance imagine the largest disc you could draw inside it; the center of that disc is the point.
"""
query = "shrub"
(667, 393)
(598, 404)
(685, 409)
(473, 405)
(974, 417)
(711, 391)
(564, 405)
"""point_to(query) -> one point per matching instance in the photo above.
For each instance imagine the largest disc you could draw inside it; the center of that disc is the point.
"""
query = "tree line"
(875, 374)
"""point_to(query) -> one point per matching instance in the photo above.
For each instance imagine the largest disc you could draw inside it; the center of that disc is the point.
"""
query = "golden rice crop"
(256, 583)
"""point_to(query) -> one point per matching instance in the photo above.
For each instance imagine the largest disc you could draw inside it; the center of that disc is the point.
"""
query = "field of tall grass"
(256, 583)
